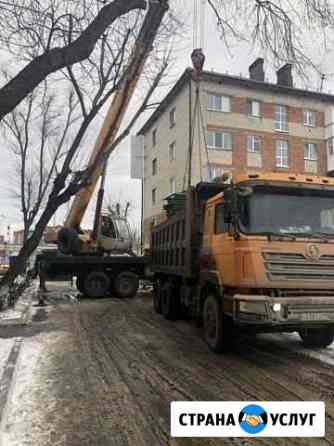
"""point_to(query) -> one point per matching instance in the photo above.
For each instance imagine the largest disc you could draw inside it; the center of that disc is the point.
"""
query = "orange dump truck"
(252, 253)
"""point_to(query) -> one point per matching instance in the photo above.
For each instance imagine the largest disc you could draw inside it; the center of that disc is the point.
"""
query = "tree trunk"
(30, 245)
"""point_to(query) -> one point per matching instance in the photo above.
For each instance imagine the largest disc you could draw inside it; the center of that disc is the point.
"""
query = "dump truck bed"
(175, 243)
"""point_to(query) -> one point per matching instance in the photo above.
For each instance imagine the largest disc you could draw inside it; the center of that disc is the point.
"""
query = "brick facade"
(268, 151)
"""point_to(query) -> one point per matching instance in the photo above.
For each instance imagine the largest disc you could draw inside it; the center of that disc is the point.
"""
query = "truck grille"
(287, 266)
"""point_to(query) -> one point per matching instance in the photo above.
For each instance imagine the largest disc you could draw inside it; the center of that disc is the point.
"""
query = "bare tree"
(279, 27)
(118, 209)
(36, 29)
(94, 82)
(36, 132)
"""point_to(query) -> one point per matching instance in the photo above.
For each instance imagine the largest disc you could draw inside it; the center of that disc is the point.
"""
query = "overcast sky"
(119, 185)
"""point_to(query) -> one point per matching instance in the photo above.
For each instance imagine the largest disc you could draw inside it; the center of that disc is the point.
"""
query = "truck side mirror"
(231, 216)
(230, 205)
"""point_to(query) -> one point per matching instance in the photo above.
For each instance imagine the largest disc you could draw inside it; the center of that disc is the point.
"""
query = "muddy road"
(106, 371)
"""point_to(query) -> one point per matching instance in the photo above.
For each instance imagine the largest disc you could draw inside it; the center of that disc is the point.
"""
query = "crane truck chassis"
(255, 255)
(96, 276)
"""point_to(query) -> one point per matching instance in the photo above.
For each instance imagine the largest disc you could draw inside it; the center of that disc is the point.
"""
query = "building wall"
(166, 169)
(240, 125)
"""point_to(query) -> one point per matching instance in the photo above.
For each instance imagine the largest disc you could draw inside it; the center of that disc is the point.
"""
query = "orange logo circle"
(313, 252)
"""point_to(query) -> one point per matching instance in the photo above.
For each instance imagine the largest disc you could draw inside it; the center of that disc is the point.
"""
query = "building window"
(172, 120)
(172, 185)
(253, 144)
(154, 137)
(217, 102)
(219, 140)
(310, 152)
(154, 196)
(172, 152)
(254, 107)
(154, 166)
(281, 118)
(309, 118)
(282, 153)
(215, 171)
(330, 146)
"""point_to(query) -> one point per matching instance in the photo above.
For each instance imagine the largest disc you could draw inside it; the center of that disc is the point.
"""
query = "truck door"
(206, 253)
(221, 243)
(208, 226)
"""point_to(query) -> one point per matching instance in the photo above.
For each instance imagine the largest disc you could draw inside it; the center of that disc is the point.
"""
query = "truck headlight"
(277, 307)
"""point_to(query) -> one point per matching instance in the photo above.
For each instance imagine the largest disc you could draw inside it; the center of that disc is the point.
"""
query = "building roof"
(212, 76)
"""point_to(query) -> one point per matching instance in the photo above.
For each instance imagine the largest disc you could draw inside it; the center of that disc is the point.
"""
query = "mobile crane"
(100, 259)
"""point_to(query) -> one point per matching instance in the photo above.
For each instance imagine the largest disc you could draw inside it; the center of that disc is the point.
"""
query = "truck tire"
(68, 241)
(157, 296)
(218, 328)
(126, 285)
(96, 284)
(169, 302)
(317, 337)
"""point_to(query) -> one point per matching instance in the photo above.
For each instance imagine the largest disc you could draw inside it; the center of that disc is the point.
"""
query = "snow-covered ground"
(103, 373)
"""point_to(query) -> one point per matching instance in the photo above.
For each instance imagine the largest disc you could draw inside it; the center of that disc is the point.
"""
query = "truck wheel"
(317, 337)
(169, 302)
(96, 284)
(68, 241)
(217, 327)
(157, 296)
(126, 285)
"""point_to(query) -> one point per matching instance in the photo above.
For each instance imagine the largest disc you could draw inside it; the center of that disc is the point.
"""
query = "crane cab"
(114, 234)
(113, 237)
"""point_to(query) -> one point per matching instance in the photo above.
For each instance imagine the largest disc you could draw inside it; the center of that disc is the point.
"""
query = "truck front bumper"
(283, 311)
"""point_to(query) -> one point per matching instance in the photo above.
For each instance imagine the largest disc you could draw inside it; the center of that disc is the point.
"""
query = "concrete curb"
(21, 313)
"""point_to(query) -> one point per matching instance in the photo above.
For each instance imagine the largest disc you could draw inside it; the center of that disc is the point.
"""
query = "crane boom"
(119, 105)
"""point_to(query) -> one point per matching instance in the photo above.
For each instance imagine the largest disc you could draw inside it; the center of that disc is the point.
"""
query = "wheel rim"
(210, 322)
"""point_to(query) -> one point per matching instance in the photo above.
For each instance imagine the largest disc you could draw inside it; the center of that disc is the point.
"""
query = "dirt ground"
(103, 373)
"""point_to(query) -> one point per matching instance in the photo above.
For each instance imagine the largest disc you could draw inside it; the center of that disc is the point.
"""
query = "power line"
(202, 23)
(195, 24)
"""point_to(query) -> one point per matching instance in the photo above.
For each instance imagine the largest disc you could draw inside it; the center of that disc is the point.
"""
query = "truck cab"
(114, 234)
(268, 244)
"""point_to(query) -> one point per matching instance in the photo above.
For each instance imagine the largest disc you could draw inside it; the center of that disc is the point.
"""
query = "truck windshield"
(281, 210)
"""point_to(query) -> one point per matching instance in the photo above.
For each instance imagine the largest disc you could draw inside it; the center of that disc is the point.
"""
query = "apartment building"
(247, 124)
